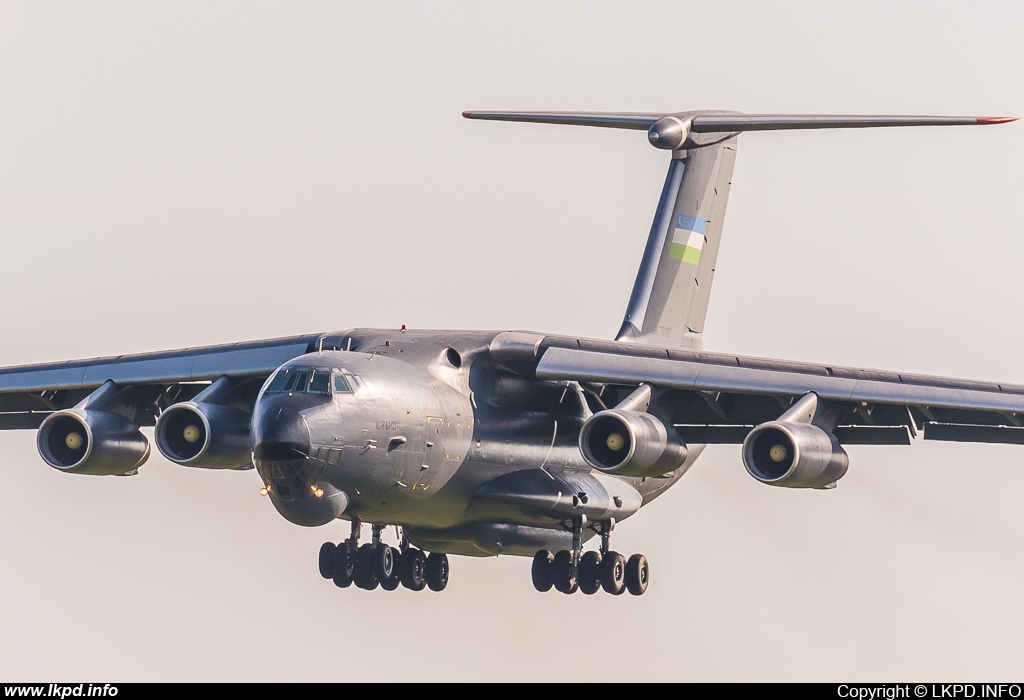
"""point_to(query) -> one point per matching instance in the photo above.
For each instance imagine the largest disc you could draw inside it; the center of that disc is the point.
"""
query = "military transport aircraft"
(484, 443)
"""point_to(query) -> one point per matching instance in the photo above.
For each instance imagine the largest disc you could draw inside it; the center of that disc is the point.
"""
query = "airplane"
(486, 443)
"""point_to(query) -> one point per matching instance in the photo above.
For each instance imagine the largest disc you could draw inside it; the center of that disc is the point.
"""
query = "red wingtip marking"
(467, 115)
(996, 120)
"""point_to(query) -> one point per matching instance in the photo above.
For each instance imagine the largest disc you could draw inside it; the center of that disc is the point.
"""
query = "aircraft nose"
(280, 434)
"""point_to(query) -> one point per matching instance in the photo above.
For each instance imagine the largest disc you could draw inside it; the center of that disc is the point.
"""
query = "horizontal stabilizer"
(625, 120)
(670, 131)
(771, 122)
(669, 302)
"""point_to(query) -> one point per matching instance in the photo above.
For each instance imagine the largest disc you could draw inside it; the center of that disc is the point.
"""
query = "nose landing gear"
(376, 564)
(568, 571)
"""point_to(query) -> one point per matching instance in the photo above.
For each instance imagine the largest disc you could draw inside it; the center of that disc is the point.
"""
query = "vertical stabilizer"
(670, 296)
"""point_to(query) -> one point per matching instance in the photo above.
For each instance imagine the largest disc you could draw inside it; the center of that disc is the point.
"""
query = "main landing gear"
(568, 571)
(377, 564)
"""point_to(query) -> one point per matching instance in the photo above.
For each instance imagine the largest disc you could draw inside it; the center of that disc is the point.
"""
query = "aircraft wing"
(720, 398)
(30, 393)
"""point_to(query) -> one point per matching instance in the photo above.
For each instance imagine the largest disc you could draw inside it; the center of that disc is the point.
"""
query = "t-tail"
(670, 296)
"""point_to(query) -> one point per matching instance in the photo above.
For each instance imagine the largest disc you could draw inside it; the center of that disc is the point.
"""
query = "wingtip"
(467, 115)
(996, 120)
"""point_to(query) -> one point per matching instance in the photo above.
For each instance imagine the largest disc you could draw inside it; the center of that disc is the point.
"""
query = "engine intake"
(199, 434)
(794, 455)
(631, 443)
(82, 441)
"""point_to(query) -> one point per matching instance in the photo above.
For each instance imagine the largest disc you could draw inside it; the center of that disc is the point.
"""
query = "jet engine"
(206, 435)
(211, 431)
(83, 441)
(631, 443)
(794, 455)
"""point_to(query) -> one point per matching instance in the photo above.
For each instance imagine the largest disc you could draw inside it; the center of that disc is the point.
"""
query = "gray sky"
(176, 174)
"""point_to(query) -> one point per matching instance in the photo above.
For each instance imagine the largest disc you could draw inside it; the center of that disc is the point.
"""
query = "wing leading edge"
(28, 394)
(719, 398)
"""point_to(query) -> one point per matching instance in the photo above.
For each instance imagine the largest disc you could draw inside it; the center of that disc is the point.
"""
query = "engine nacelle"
(794, 455)
(82, 441)
(631, 443)
(206, 435)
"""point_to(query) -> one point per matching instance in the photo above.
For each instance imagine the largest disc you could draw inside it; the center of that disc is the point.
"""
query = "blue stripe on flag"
(692, 223)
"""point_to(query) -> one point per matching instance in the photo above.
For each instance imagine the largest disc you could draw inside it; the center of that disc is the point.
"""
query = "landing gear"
(413, 569)
(613, 573)
(590, 572)
(376, 564)
(365, 576)
(563, 572)
(383, 561)
(542, 571)
(437, 571)
(340, 560)
(393, 579)
(344, 566)
(638, 574)
(327, 550)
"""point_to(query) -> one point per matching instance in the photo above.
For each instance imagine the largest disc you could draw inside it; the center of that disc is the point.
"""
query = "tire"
(383, 562)
(541, 571)
(437, 571)
(412, 569)
(590, 573)
(344, 567)
(613, 573)
(327, 559)
(395, 579)
(365, 577)
(562, 575)
(638, 574)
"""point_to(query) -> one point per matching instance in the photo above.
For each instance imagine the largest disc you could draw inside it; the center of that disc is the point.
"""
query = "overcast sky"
(190, 173)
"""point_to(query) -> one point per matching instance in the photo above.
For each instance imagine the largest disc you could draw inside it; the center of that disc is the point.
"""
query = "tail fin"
(670, 296)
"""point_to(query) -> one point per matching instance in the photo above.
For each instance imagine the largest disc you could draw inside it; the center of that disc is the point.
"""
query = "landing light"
(192, 433)
(615, 442)
(264, 491)
(74, 441)
(317, 491)
(778, 453)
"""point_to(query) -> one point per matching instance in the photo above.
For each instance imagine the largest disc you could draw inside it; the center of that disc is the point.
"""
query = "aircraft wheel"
(344, 567)
(327, 559)
(412, 569)
(638, 574)
(613, 573)
(365, 577)
(394, 580)
(437, 571)
(589, 572)
(383, 561)
(562, 574)
(541, 571)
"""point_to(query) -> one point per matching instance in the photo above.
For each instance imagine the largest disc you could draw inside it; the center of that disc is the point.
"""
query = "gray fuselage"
(426, 431)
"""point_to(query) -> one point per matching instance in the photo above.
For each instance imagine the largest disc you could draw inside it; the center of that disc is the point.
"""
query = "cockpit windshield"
(320, 382)
(307, 380)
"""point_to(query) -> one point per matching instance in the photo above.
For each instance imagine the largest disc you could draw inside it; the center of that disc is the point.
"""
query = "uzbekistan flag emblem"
(688, 239)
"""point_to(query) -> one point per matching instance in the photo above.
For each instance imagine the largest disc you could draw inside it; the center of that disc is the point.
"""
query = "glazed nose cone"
(280, 433)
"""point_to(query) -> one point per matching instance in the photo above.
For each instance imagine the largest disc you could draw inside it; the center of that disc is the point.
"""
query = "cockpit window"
(301, 380)
(320, 383)
(277, 383)
(340, 385)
